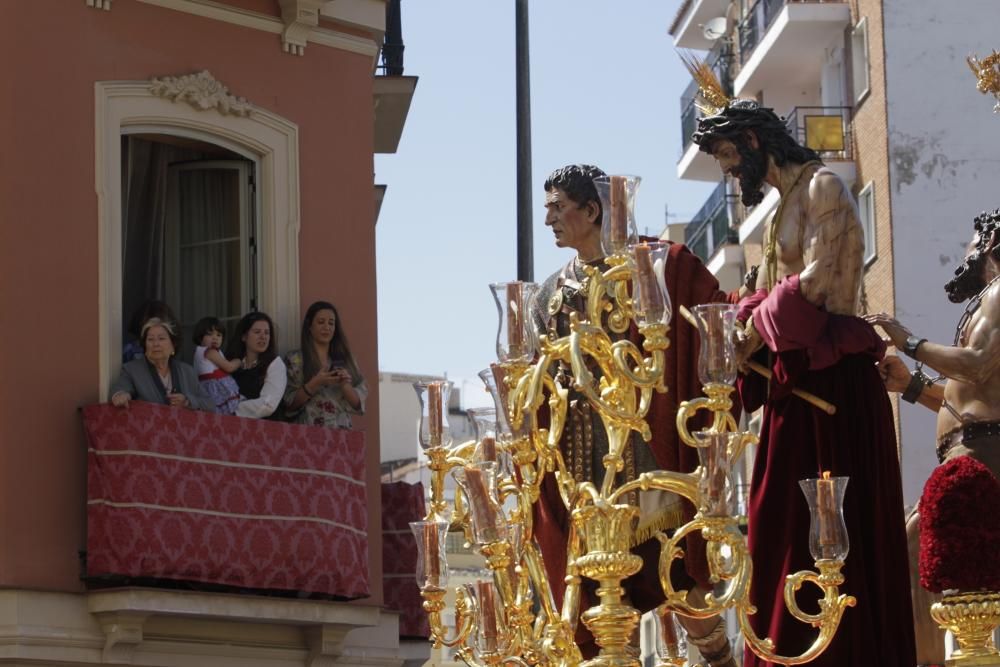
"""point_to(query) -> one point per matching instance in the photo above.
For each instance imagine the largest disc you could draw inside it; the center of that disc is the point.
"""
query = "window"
(189, 232)
(264, 138)
(210, 249)
(859, 60)
(866, 211)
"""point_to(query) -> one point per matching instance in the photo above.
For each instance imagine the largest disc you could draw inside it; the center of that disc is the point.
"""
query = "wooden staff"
(812, 399)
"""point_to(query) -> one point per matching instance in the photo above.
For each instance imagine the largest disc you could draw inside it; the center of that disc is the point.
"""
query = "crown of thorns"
(736, 117)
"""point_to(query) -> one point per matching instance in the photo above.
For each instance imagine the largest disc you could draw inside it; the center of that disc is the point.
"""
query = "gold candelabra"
(512, 617)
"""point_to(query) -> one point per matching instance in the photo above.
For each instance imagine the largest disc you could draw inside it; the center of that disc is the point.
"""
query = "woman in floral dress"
(324, 385)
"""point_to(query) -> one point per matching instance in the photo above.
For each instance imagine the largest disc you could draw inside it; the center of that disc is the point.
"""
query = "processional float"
(511, 617)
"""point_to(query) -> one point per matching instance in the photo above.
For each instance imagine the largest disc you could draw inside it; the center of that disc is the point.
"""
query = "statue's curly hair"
(986, 223)
(740, 116)
(968, 280)
(577, 181)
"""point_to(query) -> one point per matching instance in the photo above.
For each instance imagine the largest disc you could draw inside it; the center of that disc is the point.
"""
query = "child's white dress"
(217, 383)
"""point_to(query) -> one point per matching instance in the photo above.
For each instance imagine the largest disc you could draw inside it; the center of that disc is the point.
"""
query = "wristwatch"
(911, 345)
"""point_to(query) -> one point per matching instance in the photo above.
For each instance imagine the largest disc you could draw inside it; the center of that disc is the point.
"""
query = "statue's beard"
(751, 173)
(968, 280)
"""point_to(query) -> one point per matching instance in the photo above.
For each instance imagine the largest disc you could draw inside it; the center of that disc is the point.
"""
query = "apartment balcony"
(710, 227)
(223, 535)
(686, 28)
(393, 92)
(777, 38)
(826, 130)
(712, 236)
(695, 164)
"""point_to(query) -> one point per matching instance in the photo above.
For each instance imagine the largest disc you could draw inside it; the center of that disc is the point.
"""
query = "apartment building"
(880, 89)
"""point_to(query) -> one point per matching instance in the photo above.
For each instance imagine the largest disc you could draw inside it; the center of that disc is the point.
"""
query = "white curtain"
(210, 245)
(206, 262)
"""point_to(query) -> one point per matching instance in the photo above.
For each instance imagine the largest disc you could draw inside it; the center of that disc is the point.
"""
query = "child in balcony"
(213, 368)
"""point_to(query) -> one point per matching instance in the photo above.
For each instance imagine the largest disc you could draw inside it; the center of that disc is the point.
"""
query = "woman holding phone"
(324, 385)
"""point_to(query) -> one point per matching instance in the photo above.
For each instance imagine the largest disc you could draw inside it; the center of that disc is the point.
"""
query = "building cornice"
(297, 27)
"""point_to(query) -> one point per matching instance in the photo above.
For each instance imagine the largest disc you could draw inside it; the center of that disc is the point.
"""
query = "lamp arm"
(832, 606)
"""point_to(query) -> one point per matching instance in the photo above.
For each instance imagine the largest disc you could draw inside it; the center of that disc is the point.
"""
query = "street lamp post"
(525, 255)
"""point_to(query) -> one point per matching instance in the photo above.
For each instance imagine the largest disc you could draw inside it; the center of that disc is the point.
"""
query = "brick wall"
(871, 152)
(872, 158)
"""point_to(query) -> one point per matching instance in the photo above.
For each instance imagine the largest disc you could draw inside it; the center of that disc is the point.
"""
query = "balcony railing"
(391, 63)
(712, 226)
(185, 498)
(758, 19)
(826, 130)
(720, 60)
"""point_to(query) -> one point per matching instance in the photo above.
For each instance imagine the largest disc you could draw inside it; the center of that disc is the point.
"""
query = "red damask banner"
(180, 495)
(401, 504)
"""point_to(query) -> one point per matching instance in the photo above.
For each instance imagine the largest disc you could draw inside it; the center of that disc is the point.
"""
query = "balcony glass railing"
(826, 130)
(712, 226)
(689, 123)
(758, 19)
(720, 60)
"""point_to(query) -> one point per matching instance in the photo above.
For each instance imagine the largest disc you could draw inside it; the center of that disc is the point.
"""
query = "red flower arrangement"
(960, 528)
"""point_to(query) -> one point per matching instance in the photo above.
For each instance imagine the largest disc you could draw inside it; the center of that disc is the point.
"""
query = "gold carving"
(617, 379)
(987, 73)
(972, 618)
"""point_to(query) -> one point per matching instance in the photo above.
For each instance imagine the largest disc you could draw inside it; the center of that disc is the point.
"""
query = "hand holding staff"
(812, 399)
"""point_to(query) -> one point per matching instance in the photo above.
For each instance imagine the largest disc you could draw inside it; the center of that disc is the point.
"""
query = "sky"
(605, 89)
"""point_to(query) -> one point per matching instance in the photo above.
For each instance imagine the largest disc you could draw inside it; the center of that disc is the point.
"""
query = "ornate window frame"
(196, 106)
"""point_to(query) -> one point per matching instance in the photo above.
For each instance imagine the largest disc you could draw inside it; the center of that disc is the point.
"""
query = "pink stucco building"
(122, 121)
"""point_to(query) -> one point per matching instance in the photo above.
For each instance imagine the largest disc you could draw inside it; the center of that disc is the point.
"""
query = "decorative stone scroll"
(202, 91)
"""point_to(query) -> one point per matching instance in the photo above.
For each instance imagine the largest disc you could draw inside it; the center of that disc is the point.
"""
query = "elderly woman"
(325, 386)
(261, 376)
(158, 377)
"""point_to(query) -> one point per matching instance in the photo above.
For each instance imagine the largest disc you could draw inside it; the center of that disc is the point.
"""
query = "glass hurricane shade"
(618, 228)
(433, 396)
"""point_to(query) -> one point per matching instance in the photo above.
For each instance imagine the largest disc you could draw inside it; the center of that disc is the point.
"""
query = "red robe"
(689, 284)
(832, 356)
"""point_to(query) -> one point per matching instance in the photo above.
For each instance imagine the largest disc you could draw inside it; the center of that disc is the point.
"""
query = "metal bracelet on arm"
(918, 382)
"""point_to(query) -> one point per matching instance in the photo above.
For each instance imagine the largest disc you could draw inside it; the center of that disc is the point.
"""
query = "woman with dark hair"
(158, 377)
(324, 385)
(261, 376)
